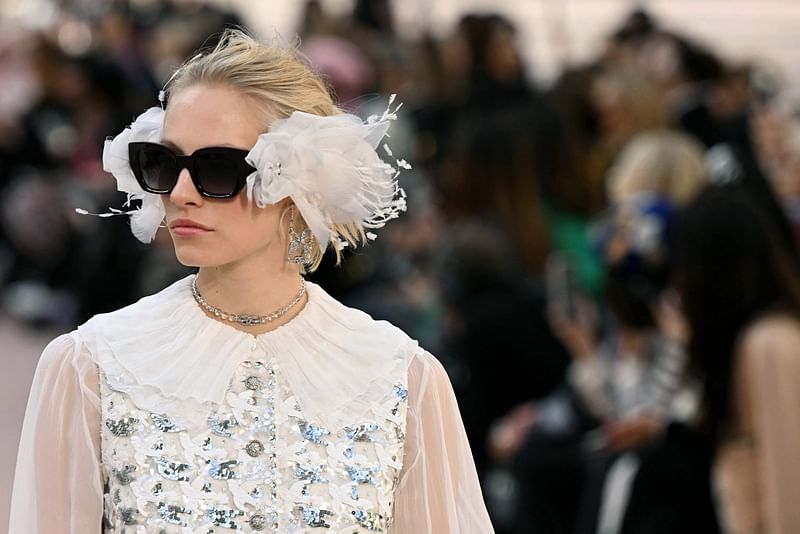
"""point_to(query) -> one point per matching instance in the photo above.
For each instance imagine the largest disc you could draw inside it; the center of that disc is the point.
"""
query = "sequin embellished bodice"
(256, 465)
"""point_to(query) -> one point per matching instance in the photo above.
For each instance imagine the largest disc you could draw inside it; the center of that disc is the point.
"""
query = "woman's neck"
(252, 289)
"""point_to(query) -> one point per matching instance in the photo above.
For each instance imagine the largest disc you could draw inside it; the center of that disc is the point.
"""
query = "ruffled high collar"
(167, 355)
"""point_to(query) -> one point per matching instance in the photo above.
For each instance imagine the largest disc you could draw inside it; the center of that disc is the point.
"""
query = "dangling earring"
(300, 245)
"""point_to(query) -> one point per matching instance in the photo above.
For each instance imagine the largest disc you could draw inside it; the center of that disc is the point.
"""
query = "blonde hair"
(658, 161)
(278, 82)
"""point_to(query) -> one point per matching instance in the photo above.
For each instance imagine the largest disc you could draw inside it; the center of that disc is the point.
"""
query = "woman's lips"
(187, 228)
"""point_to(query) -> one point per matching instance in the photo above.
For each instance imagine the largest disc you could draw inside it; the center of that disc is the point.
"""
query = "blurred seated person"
(740, 296)
(620, 391)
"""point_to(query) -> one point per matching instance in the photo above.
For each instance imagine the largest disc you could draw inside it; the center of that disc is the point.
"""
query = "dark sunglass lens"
(157, 169)
(219, 173)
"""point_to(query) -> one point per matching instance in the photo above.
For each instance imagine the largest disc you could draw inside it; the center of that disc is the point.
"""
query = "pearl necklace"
(246, 319)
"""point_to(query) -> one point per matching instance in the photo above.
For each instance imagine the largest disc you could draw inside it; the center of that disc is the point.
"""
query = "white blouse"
(155, 418)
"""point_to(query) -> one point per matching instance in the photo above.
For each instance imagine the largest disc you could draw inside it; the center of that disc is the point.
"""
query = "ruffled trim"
(168, 356)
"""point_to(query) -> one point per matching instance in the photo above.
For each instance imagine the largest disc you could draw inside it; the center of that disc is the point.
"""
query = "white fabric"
(147, 127)
(334, 359)
(329, 354)
(329, 167)
(616, 493)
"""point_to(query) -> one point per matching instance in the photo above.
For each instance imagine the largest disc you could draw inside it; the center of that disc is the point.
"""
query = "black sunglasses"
(217, 172)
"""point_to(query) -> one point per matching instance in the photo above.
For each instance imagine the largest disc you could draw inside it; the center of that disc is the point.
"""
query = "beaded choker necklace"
(246, 319)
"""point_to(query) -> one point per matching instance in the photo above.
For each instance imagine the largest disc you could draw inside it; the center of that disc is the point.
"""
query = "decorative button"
(253, 383)
(254, 448)
(258, 522)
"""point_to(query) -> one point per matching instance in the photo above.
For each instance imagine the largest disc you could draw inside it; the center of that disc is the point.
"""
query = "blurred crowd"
(591, 260)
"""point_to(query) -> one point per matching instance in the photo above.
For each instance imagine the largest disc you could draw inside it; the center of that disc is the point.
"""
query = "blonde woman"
(665, 163)
(244, 398)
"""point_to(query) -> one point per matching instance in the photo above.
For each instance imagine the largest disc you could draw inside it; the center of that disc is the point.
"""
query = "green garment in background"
(569, 237)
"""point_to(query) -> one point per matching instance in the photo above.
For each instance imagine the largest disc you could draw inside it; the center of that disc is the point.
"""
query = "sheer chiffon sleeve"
(438, 490)
(58, 485)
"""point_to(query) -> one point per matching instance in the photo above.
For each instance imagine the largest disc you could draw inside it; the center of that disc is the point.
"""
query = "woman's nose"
(184, 191)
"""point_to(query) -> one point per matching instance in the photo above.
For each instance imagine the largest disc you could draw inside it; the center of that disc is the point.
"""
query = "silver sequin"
(311, 473)
(362, 475)
(271, 452)
(223, 470)
(221, 427)
(173, 470)
(369, 520)
(312, 433)
(128, 515)
(223, 517)
(122, 428)
(314, 517)
(165, 424)
(169, 513)
(124, 476)
(359, 432)
(401, 392)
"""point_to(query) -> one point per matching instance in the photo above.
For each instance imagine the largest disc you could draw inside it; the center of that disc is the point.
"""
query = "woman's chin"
(192, 257)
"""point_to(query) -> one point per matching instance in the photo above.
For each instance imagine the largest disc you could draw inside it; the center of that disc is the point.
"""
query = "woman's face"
(217, 232)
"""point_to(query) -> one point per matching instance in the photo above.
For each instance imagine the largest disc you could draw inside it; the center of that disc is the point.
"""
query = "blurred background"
(555, 145)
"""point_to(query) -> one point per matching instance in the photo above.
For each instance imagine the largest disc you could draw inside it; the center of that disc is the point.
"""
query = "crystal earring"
(300, 245)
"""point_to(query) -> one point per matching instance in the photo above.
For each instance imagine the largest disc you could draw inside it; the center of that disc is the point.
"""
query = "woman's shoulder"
(427, 374)
(769, 343)
(65, 361)
(769, 332)
(66, 346)
(114, 323)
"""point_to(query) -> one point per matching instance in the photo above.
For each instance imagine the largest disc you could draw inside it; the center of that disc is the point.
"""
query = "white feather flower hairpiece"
(328, 166)
(146, 219)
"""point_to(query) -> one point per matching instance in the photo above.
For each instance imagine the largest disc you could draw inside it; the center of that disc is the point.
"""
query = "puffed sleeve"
(58, 485)
(438, 490)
